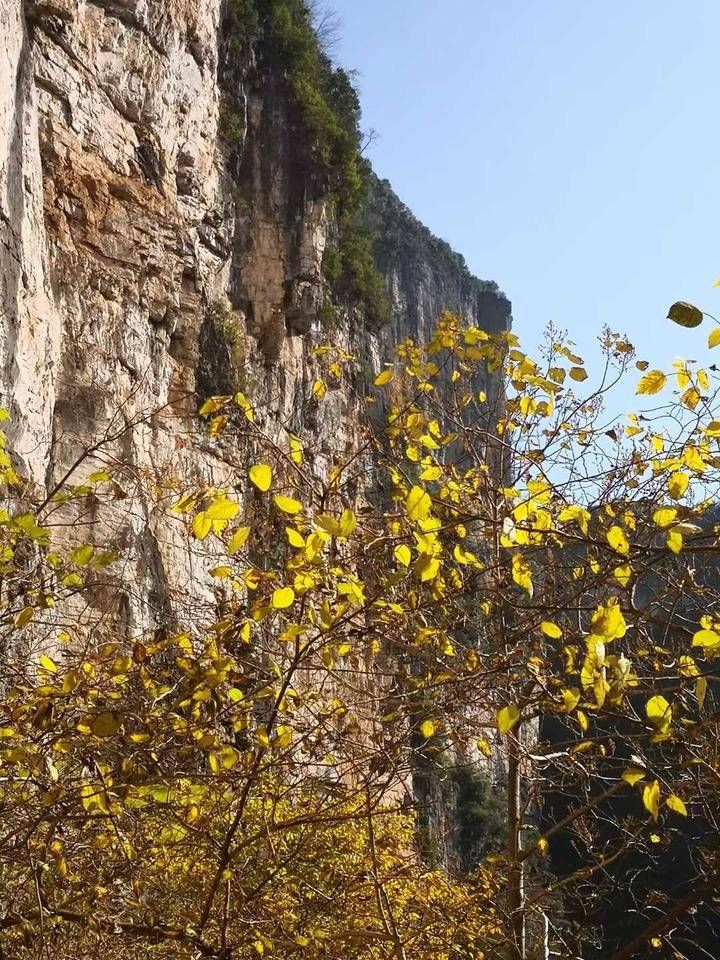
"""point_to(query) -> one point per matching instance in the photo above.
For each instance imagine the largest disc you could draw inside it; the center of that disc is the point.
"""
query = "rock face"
(424, 274)
(153, 249)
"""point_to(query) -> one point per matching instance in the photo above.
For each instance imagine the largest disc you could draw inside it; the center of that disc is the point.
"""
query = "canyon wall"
(155, 249)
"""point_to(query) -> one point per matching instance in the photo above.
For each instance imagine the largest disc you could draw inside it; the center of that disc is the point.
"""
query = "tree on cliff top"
(493, 577)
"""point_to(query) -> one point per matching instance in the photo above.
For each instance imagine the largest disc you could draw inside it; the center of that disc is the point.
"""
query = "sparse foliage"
(534, 596)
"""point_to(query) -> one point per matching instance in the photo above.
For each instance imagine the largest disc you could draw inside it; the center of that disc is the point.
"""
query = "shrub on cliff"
(350, 269)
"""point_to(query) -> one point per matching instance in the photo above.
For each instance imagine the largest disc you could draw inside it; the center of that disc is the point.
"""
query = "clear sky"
(570, 149)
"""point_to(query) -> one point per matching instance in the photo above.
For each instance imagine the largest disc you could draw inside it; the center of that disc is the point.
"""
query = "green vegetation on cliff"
(283, 36)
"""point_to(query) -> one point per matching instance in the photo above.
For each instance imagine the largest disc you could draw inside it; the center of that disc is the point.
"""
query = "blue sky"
(568, 148)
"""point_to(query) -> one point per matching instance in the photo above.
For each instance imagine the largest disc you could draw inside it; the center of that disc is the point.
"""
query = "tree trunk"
(516, 876)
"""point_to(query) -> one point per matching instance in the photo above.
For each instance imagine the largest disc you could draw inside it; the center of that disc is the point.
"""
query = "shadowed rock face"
(639, 887)
(151, 250)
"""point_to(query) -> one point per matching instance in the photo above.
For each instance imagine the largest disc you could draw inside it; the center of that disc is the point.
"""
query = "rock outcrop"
(155, 248)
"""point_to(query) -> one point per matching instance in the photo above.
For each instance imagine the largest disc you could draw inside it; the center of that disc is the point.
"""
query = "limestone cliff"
(162, 235)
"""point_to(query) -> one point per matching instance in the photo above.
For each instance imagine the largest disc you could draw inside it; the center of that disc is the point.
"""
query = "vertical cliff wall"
(162, 235)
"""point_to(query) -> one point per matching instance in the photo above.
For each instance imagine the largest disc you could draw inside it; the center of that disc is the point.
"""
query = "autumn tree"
(496, 579)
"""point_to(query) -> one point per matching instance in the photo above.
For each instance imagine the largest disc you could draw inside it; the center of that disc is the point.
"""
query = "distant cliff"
(424, 274)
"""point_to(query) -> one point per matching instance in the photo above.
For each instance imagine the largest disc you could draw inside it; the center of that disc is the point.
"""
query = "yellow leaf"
(658, 443)
(284, 737)
(229, 756)
(106, 724)
(693, 458)
(651, 798)
(578, 374)
(93, 800)
(484, 748)
(674, 802)
(296, 450)
(47, 664)
(508, 718)
(427, 567)
(418, 504)
(623, 574)
(708, 639)
(618, 540)
(678, 484)
(690, 398)
(238, 541)
(217, 426)
(522, 574)
(348, 523)
(665, 516)
(82, 555)
(658, 710)
(24, 617)
(261, 475)
(713, 428)
(295, 539)
(431, 473)
(427, 729)
(633, 775)
(283, 598)
(201, 525)
(714, 338)
(575, 514)
(247, 408)
(402, 555)
(287, 504)
(608, 622)
(328, 524)
(682, 374)
(319, 389)
(652, 382)
(222, 509)
(213, 405)
(551, 630)
(701, 691)
(674, 541)
(382, 378)
(571, 698)
(464, 556)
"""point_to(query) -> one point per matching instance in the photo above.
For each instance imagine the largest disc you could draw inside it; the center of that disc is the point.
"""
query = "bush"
(350, 270)
(243, 22)
(232, 125)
